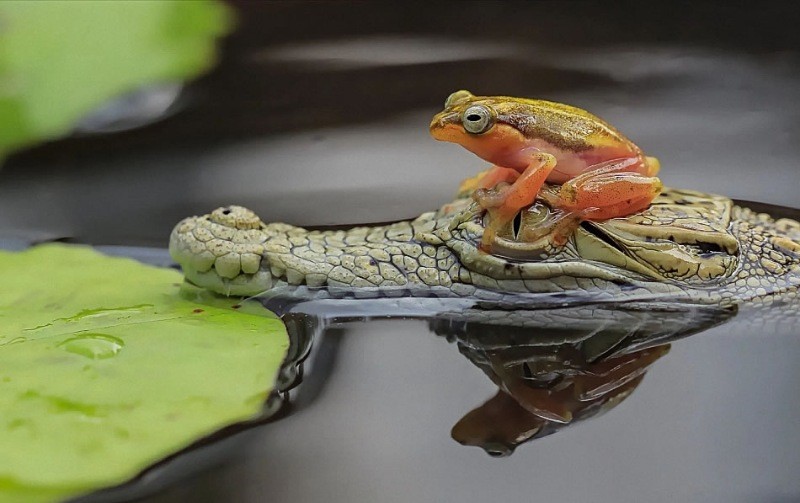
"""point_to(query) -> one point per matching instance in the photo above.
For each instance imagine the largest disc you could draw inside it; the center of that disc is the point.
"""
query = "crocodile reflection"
(553, 366)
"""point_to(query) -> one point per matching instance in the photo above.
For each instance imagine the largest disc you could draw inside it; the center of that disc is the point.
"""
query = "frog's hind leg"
(503, 204)
(613, 189)
(611, 195)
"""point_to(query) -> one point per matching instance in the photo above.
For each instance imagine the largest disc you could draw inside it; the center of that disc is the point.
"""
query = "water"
(713, 419)
(565, 365)
(597, 402)
(326, 125)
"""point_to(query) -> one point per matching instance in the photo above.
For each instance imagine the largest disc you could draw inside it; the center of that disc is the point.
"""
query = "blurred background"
(316, 113)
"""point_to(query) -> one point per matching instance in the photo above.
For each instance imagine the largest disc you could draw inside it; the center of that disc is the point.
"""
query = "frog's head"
(481, 125)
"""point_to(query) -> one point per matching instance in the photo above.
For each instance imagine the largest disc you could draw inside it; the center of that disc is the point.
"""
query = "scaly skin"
(687, 247)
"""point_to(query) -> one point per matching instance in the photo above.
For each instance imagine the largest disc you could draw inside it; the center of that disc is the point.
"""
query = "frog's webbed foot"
(536, 233)
(503, 202)
(557, 229)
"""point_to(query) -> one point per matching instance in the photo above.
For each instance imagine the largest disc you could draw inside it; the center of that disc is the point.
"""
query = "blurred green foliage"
(105, 368)
(60, 59)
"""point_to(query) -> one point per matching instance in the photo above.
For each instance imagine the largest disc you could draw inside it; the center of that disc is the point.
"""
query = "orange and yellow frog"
(602, 174)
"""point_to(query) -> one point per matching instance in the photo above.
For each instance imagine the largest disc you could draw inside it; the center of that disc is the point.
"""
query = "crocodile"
(687, 246)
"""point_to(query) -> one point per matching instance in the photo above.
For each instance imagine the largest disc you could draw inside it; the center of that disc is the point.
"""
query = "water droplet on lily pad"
(94, 346)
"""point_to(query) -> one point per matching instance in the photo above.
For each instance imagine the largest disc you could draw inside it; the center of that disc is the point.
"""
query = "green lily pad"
(61, 60)
(108, 365)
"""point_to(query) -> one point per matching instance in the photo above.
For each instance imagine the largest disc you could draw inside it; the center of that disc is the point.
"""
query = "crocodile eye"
(477, 119)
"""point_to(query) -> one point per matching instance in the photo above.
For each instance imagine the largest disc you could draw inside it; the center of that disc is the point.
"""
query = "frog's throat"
(501, 145)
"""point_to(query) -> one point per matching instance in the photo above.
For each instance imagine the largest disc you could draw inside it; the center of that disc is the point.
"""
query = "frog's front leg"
(503, 204)
(487, 179)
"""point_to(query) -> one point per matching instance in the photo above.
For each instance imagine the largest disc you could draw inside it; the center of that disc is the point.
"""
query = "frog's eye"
(477, 119)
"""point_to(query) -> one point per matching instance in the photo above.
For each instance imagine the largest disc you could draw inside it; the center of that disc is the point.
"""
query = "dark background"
(317, 112)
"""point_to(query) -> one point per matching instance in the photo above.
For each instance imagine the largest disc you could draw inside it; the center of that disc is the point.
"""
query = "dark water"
(317, 122)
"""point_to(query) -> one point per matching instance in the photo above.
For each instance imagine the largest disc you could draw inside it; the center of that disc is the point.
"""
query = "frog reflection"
(534, 405)
(554, 365)
(571, 365)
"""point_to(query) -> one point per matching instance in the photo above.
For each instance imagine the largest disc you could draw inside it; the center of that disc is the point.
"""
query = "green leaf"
(108, 365)
(60, 60)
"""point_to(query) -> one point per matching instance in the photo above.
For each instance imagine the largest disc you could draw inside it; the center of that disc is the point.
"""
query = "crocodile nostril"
(236, 217)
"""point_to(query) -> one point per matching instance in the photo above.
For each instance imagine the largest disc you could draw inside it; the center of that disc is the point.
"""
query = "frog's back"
(565, 126)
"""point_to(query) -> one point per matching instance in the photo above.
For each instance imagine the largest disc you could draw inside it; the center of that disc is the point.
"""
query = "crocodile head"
(684, 237)
(686, 243)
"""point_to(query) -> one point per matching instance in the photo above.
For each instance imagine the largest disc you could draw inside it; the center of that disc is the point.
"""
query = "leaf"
(60, 60)
(105, 368)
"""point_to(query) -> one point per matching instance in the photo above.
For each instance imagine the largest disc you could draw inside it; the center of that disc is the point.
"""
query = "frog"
(534, 144)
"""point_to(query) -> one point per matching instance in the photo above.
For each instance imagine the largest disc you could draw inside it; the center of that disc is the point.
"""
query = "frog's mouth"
(501, 145)
(445, 125)
(684, 250)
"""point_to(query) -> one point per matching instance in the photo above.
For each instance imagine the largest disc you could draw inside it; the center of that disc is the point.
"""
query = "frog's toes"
(491, 198)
